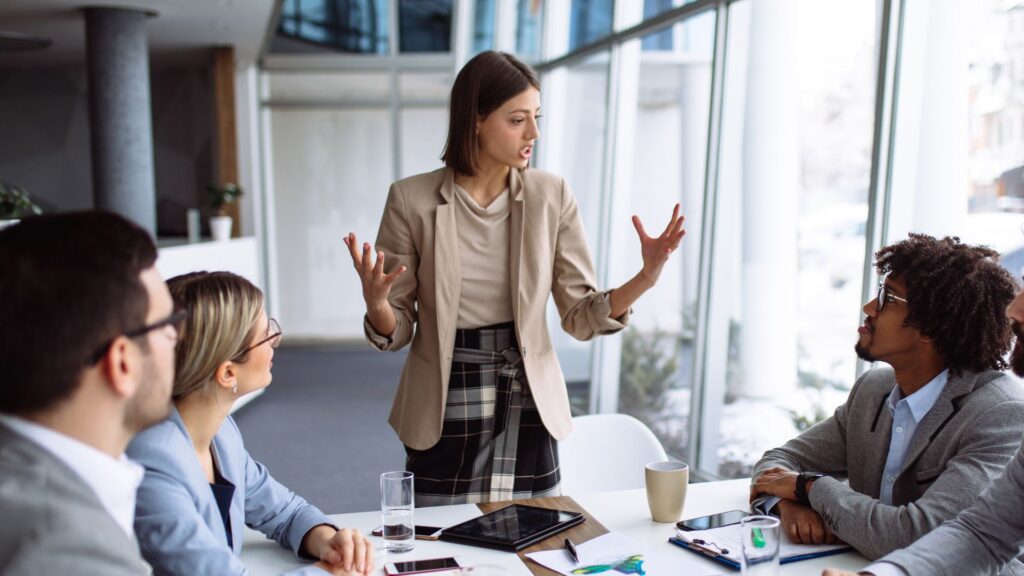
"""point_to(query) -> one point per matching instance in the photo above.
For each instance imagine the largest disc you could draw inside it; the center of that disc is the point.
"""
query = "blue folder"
(717, 556)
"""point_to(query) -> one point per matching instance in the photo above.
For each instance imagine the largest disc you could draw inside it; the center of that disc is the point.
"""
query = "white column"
(940, 196)
(771, 180)
(695, 93)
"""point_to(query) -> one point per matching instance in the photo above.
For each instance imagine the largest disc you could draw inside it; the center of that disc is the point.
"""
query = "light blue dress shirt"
(907, 412)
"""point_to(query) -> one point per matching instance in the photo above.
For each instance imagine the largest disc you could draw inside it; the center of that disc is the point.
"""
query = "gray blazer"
(53, 523)
(960, 446)
(984, 539)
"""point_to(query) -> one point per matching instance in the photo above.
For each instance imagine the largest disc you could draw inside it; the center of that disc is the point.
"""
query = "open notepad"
(723, 544)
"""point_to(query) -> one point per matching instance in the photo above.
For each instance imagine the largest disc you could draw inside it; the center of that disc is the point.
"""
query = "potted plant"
(14, 204)
(221, 195)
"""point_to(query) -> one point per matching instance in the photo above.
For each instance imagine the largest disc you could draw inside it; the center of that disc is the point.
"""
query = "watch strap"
(801, 487)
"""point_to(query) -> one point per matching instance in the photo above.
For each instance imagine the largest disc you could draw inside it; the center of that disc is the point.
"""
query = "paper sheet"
(613, 554)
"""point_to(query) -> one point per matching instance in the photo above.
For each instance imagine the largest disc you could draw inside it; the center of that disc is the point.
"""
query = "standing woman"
(471, 253)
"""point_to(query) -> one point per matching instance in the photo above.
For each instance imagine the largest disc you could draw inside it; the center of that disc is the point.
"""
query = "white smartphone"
(421, 566)
(422, 532)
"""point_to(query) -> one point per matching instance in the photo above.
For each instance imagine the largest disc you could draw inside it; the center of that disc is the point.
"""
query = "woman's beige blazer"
(549, 256)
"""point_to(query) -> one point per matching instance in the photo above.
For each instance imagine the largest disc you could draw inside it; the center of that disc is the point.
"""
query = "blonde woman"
(201, 487)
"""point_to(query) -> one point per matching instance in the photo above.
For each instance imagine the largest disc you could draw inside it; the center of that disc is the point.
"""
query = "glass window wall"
(310, 26)
(670, 140)
(792, 207)
(960, 119)
(424, 25)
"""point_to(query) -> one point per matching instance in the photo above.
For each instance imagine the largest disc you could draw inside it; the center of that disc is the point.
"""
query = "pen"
(571, 549)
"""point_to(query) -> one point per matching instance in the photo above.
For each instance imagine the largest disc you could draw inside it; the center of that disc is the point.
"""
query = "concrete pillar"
(119, 114)
(771, 184)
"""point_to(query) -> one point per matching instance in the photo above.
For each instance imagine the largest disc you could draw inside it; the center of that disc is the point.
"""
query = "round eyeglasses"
(884, 296)
(274, 335)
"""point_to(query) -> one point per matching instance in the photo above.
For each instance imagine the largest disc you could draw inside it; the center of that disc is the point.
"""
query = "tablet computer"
(512, 528)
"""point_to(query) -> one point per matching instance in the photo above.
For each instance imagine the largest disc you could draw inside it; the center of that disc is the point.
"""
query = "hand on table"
(803, 525)
(655, 251)
(349, 551)
(775, 482)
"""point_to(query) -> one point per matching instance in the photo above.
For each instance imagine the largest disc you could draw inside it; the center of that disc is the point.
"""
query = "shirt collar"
(922, 401)
(113, 480)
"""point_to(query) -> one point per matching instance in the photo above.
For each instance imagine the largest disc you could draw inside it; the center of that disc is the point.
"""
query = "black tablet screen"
(512, 523)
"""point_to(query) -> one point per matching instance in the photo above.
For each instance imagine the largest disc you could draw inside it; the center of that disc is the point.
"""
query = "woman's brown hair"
(485, 83)
(223, 317)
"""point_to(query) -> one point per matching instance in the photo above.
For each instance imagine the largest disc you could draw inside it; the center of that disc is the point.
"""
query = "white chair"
(606, 452)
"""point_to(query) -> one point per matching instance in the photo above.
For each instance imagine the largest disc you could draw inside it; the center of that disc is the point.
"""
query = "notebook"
(723, 545)
(512, 528)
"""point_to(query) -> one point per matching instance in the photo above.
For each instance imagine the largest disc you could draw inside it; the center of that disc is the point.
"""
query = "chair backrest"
(606, 452)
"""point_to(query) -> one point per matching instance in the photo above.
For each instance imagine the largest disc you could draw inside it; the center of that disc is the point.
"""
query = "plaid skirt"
(493, 445)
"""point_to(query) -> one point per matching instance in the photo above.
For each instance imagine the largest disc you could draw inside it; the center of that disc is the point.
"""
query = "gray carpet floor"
(321, 427)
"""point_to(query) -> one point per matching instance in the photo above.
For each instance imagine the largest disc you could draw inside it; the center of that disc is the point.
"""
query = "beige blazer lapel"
(937, 417)
(448, 271)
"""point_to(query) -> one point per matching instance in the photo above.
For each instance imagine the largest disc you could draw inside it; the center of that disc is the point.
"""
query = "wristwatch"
(801, 486)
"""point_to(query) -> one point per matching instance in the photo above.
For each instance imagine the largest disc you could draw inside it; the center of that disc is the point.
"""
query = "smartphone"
(713, 521)
(420, 566)
(422, 532)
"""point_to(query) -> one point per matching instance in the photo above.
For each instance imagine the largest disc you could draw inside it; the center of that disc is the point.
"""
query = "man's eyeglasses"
(173, 320)
(274, 335)
(885, 297)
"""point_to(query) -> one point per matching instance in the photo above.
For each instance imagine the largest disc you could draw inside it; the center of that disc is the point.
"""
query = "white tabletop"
(624, 511)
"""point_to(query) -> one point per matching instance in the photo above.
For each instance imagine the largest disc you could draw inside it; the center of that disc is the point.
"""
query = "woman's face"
(507, 135)
(254, 373)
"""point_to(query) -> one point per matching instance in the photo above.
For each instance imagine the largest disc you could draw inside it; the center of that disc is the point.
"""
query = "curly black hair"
(956, 295)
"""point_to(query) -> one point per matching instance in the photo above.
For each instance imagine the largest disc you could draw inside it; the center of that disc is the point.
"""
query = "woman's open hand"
(376, 284)
(655, 251)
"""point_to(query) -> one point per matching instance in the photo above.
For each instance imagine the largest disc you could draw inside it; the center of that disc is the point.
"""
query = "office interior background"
(799, 136)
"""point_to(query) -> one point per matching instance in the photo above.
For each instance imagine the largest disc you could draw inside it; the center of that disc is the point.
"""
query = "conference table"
(623, 512)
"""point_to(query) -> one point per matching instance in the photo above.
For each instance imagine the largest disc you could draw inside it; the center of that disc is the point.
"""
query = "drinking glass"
(760, 548)
(396, 507)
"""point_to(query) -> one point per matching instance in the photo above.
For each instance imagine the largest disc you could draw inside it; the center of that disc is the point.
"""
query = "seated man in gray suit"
(87, 335)
(987, 537)
(916, 441)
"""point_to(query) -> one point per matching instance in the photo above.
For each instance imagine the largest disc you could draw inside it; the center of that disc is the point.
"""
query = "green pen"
(757, 538)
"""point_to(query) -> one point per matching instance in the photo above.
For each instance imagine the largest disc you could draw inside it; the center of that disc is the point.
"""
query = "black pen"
(571, 549)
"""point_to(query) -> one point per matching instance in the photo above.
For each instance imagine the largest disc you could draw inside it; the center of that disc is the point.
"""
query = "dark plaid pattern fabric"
(493, 445)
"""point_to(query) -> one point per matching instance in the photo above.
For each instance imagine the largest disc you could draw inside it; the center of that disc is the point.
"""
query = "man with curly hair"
(985, 538)
(921, 436)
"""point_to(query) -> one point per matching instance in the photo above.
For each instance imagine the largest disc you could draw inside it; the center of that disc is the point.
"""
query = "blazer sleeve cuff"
(375, 338)
(825, 490)
(600, 315)
(305, 520)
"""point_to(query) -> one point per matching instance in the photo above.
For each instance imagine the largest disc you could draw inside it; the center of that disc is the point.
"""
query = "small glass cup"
(760, 548)
(396, 508)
